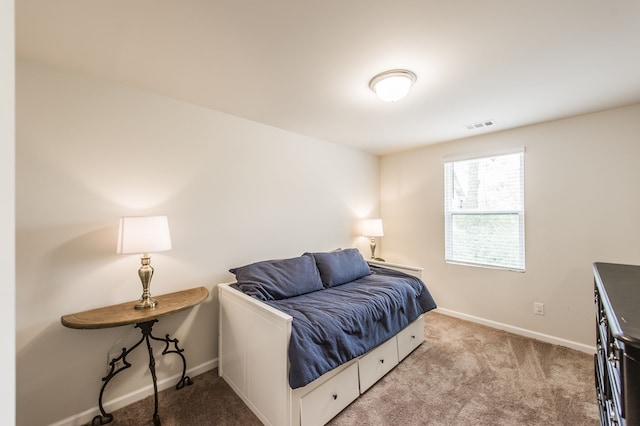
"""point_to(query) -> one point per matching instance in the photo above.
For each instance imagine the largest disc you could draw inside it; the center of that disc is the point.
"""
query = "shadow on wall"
(71, 269)
(59, 362)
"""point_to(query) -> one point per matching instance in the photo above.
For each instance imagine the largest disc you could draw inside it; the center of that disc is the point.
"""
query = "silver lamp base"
(372, 245)
(145, 273)
(146, 303)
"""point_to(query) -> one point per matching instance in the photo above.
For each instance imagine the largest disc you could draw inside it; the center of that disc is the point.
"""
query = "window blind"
(484, 211)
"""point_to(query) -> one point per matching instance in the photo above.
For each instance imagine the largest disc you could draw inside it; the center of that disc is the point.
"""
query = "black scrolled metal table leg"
(145, 329)
(104, 417)
(184, 380)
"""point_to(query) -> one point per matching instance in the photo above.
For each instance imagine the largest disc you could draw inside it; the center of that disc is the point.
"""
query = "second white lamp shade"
(372, 228)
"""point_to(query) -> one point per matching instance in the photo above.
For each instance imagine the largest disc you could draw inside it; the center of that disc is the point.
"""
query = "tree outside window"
(484, 211)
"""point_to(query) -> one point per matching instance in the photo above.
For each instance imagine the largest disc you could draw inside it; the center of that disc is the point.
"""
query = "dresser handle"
(413, 337)
(334, 396)
(614, 352)
(382, 361)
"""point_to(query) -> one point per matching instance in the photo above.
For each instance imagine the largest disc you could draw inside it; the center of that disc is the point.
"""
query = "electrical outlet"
(538, 308)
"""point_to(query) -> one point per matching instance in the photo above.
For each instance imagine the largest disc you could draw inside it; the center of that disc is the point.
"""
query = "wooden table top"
(126, 313)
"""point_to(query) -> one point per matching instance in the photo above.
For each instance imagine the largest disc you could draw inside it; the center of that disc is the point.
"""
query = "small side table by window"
(144, 319)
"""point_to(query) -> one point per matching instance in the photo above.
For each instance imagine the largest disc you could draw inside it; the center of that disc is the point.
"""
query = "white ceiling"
(305, 65)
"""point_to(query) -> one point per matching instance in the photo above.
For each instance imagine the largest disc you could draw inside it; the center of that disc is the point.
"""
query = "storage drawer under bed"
(377, 363)
(410, 338)
(324, 402)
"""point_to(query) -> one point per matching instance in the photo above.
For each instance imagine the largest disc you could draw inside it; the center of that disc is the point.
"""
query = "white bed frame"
(253, 342)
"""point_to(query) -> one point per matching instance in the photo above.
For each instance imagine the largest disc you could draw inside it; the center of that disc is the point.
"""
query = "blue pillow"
(341, 266)
(280, 278)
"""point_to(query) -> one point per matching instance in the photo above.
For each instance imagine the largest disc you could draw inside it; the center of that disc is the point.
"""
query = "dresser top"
(619, 287)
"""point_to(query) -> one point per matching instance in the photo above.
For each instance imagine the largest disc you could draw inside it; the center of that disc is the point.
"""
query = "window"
(484, 211)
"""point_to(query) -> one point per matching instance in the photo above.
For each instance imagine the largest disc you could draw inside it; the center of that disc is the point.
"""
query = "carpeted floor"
(464, 374)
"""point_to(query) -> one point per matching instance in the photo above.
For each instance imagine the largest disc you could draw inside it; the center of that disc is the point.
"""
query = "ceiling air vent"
(480, 125)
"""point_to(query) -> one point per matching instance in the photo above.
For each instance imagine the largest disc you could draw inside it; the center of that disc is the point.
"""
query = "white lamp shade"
(372, 228)
(143, 235)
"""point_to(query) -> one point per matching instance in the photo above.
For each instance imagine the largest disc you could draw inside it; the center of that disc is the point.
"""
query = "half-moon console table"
(144, 319)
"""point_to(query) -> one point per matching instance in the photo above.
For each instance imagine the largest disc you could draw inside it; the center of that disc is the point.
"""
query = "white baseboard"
(521, 331)
(124, 400)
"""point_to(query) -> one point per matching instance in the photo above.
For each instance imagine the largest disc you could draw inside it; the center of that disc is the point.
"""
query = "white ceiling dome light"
(391, 86)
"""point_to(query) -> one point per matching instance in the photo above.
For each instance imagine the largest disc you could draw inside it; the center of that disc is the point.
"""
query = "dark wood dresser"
(617, 361)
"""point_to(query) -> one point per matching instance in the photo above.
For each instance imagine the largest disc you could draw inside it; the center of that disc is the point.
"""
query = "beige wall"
(7, 214)
(235, 191)
(581, 205)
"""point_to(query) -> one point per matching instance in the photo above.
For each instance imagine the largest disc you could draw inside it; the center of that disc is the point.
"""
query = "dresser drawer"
(613, 417)
(410, 338)
(614, 365)
(631, 385)
(377, 363)
(324, 402)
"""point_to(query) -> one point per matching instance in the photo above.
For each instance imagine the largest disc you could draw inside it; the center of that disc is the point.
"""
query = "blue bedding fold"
(335, 325)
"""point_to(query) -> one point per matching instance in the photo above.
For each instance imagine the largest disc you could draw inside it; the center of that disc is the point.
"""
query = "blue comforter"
(335, 325)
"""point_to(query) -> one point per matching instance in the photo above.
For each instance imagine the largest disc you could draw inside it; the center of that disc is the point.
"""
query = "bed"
(295, 352)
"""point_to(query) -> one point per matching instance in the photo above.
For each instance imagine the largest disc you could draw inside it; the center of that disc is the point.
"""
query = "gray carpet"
(464, 374)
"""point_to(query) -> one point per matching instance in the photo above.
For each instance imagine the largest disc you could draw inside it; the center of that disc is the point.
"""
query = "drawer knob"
(413, 337)
(334, 396)
(382, 361)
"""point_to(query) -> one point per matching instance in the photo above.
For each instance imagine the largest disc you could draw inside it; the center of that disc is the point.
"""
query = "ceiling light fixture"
(391, 86)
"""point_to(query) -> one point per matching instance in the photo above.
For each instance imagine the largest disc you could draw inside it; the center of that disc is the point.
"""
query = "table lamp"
(372, 228)
(144, 235)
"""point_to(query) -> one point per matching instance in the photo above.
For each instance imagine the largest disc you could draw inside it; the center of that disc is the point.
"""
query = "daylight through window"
(484, 211)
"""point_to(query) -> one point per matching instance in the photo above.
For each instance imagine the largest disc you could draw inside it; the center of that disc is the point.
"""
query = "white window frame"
(449, 213)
